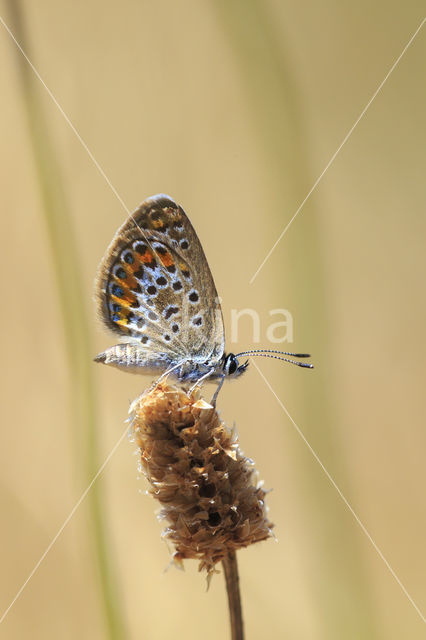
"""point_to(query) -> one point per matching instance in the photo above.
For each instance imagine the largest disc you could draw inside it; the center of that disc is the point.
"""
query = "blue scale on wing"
(157, 293)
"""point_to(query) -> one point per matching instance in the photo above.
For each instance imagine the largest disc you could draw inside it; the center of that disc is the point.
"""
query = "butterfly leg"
(168, 372)
(216, 393)
(201, 380)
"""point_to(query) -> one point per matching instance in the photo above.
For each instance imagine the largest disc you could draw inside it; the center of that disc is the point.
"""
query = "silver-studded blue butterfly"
(155, 290)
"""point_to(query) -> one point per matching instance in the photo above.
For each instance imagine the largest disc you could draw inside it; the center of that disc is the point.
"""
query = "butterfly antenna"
(267, 353)
(281, 353)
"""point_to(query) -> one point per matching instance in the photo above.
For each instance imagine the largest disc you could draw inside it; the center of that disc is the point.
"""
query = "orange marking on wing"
(147, 257)
(126, 284)
(123, 322)
(157, 224)
(129, 281)
(166, 259)
(131, 268)
(126, 299)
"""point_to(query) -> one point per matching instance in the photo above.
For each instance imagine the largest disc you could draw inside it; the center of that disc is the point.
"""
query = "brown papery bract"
(207, 488)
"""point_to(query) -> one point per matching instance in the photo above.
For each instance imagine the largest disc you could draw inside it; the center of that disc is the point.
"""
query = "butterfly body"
(135, 360)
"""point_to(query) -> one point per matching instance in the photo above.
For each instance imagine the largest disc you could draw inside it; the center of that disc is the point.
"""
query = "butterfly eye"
(230, 365)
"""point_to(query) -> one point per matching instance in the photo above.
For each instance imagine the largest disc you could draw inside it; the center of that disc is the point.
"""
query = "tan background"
(233, 108)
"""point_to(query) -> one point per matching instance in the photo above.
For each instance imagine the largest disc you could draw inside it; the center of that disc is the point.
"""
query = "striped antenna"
(267, 353)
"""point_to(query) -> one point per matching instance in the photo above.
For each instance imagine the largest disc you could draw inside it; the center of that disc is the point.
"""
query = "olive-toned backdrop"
(234, 108)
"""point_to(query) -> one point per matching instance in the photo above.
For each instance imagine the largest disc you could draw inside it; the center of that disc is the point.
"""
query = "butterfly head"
(231, 366)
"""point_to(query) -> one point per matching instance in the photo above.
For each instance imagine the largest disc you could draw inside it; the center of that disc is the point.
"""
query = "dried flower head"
(206, 487)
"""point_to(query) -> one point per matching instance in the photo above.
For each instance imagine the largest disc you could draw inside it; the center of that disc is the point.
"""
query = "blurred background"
(234, 109)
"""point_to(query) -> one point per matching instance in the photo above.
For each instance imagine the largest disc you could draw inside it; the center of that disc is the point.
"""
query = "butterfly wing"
(155, 287)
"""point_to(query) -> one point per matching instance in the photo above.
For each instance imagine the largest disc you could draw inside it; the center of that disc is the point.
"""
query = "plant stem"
(230, 567)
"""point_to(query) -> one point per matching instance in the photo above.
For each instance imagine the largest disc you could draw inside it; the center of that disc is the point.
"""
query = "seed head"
(208, 490)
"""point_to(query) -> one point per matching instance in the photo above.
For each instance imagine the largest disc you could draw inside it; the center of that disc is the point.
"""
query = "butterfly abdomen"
(133, 359)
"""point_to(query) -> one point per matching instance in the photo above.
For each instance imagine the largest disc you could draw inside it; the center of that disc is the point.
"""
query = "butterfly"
(155, 291)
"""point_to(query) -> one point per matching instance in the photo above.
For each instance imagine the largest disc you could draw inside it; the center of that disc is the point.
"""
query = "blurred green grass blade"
(345, 608)
(72, 302)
